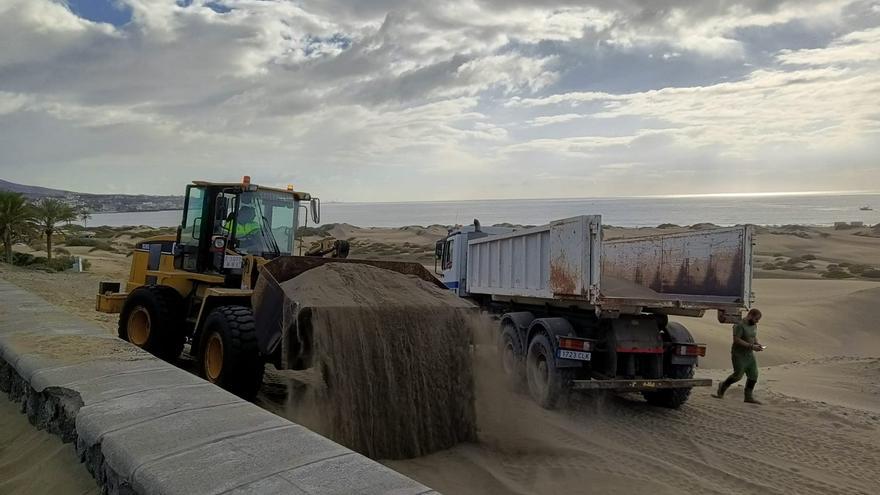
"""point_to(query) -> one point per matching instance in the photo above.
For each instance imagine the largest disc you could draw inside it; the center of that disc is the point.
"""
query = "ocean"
(803, 209)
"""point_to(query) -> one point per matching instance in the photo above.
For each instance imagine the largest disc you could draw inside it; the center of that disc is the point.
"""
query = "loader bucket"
(270, 301)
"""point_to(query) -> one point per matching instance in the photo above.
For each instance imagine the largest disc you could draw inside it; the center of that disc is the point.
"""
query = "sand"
(35, 462)
(818, 431)
(618, 444)
(393, 351)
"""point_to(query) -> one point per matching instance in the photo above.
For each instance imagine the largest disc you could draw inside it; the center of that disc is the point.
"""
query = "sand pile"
(394, 354)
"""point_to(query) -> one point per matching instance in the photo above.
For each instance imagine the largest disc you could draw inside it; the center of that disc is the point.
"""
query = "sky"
(392, 100)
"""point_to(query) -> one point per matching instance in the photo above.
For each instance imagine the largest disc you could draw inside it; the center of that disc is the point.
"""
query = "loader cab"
(223, 222)
(450, 254)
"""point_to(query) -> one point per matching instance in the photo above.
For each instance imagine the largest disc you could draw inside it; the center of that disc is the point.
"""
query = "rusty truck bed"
(568, 262)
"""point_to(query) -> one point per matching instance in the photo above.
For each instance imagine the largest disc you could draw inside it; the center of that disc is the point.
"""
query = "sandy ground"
(34, 462)
(818, 431)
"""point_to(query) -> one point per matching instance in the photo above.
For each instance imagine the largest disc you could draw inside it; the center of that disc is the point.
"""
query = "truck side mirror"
(438, 249)
(315, 204)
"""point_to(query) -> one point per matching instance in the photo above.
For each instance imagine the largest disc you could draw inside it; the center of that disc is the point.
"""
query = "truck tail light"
(690, 350)
(575, 344)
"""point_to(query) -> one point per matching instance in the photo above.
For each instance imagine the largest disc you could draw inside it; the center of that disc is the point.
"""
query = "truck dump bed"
(567, 261)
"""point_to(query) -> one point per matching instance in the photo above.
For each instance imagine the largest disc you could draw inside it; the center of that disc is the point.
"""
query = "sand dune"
(818, 431)
(803, 319)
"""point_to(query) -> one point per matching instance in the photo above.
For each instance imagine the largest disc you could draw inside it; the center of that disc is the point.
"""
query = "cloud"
(437, 100)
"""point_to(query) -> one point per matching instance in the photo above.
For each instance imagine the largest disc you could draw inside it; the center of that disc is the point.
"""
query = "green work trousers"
(744, 363)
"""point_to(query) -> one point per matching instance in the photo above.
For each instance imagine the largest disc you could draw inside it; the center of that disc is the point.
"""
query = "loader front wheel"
(152, 319)
(228, 352)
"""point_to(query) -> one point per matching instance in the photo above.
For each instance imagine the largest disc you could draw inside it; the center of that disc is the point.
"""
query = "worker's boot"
(750, 392)
(722, 387)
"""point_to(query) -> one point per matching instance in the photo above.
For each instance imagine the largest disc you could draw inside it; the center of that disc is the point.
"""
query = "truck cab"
(450, 254)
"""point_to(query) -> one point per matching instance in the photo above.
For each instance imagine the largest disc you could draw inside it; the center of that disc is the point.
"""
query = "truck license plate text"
(576, 355)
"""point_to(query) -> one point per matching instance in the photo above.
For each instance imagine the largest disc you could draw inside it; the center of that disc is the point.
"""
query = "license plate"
(576, 355)
(231, 261)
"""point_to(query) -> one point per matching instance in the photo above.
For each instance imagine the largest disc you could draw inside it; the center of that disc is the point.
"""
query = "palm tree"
(15, 215)
(85, 215)
(47, 213)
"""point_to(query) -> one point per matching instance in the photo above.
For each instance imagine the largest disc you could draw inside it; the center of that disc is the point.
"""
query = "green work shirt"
(749, 333)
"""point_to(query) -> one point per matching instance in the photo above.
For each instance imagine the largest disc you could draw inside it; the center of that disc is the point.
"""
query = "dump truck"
(216, 283)
(577, 312)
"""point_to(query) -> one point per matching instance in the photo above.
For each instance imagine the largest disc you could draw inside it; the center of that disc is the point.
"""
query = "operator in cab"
(247, 229)
(745, 345)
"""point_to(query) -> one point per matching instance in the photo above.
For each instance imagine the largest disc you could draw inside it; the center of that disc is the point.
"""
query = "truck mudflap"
(639, 385)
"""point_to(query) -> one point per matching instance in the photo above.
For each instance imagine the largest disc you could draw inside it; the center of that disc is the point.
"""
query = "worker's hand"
(757, 347)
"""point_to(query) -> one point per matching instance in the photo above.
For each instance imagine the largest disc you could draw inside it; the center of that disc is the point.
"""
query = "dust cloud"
(393, 354)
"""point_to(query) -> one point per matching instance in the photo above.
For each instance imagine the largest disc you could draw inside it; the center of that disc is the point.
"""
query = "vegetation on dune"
(57, 264)
(94, 243)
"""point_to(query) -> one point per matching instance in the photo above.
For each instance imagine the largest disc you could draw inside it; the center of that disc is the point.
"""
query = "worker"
(246, 224)
(745, 345)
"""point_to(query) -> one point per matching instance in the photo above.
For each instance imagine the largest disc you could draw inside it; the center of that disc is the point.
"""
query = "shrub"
(86, 264)
(858, 269)
(62, 251)
(837, 274)
(872, 273)
(57, 264)
(768, 266)
(808, 257)
(22, 259)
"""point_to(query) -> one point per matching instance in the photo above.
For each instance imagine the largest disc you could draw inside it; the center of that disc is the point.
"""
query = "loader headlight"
(219, 243)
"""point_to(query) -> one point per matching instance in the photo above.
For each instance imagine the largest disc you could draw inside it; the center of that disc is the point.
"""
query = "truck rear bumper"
(639, 385)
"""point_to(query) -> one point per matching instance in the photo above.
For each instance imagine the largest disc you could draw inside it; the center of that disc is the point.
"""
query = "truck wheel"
(228, 354)
(152, 318)
(672, 398)
(511, 357)
(547, 383)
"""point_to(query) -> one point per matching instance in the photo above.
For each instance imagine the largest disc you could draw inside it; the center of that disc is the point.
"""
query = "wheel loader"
(216, 284)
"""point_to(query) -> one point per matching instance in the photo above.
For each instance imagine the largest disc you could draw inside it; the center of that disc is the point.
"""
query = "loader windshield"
(270, 223)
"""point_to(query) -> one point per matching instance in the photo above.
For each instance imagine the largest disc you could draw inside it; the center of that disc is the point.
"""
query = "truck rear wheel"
(228, 353)
(511, 357)
(547, 383)
(152, 319)
(672, 398)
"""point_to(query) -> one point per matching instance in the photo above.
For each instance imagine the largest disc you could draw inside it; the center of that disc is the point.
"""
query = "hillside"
(97, 203)
(32, 192)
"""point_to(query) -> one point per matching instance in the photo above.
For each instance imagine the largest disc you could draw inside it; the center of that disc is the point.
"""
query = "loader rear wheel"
(228, 352)
(152, 319)
(547, 383)
(511, 357)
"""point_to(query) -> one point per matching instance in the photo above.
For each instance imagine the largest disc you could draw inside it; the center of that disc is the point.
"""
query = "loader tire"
(228, 353)
(511, 357)
(547, 383)
(672, 398)
(152, 318)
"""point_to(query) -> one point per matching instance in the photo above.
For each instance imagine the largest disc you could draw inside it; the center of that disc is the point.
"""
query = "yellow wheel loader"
(216, 283)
